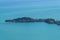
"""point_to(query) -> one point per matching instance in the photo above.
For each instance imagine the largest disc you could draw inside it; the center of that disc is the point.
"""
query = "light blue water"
(29, 31)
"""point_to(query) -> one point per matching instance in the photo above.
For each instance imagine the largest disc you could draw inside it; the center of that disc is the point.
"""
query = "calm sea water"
(29, 31)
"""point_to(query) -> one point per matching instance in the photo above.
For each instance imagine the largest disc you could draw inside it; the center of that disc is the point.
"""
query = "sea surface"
(29, 31)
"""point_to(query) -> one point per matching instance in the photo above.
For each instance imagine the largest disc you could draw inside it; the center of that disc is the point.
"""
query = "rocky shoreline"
(28, 19)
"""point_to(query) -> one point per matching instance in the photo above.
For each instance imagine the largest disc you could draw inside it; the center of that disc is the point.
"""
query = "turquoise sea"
(29, 31)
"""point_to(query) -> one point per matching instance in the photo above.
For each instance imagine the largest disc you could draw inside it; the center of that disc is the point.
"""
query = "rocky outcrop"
(28, 19)
(57, 22)
(50, 21)
(23, 19)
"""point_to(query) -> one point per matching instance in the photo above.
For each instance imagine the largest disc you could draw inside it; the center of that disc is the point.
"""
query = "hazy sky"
(29, 0)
